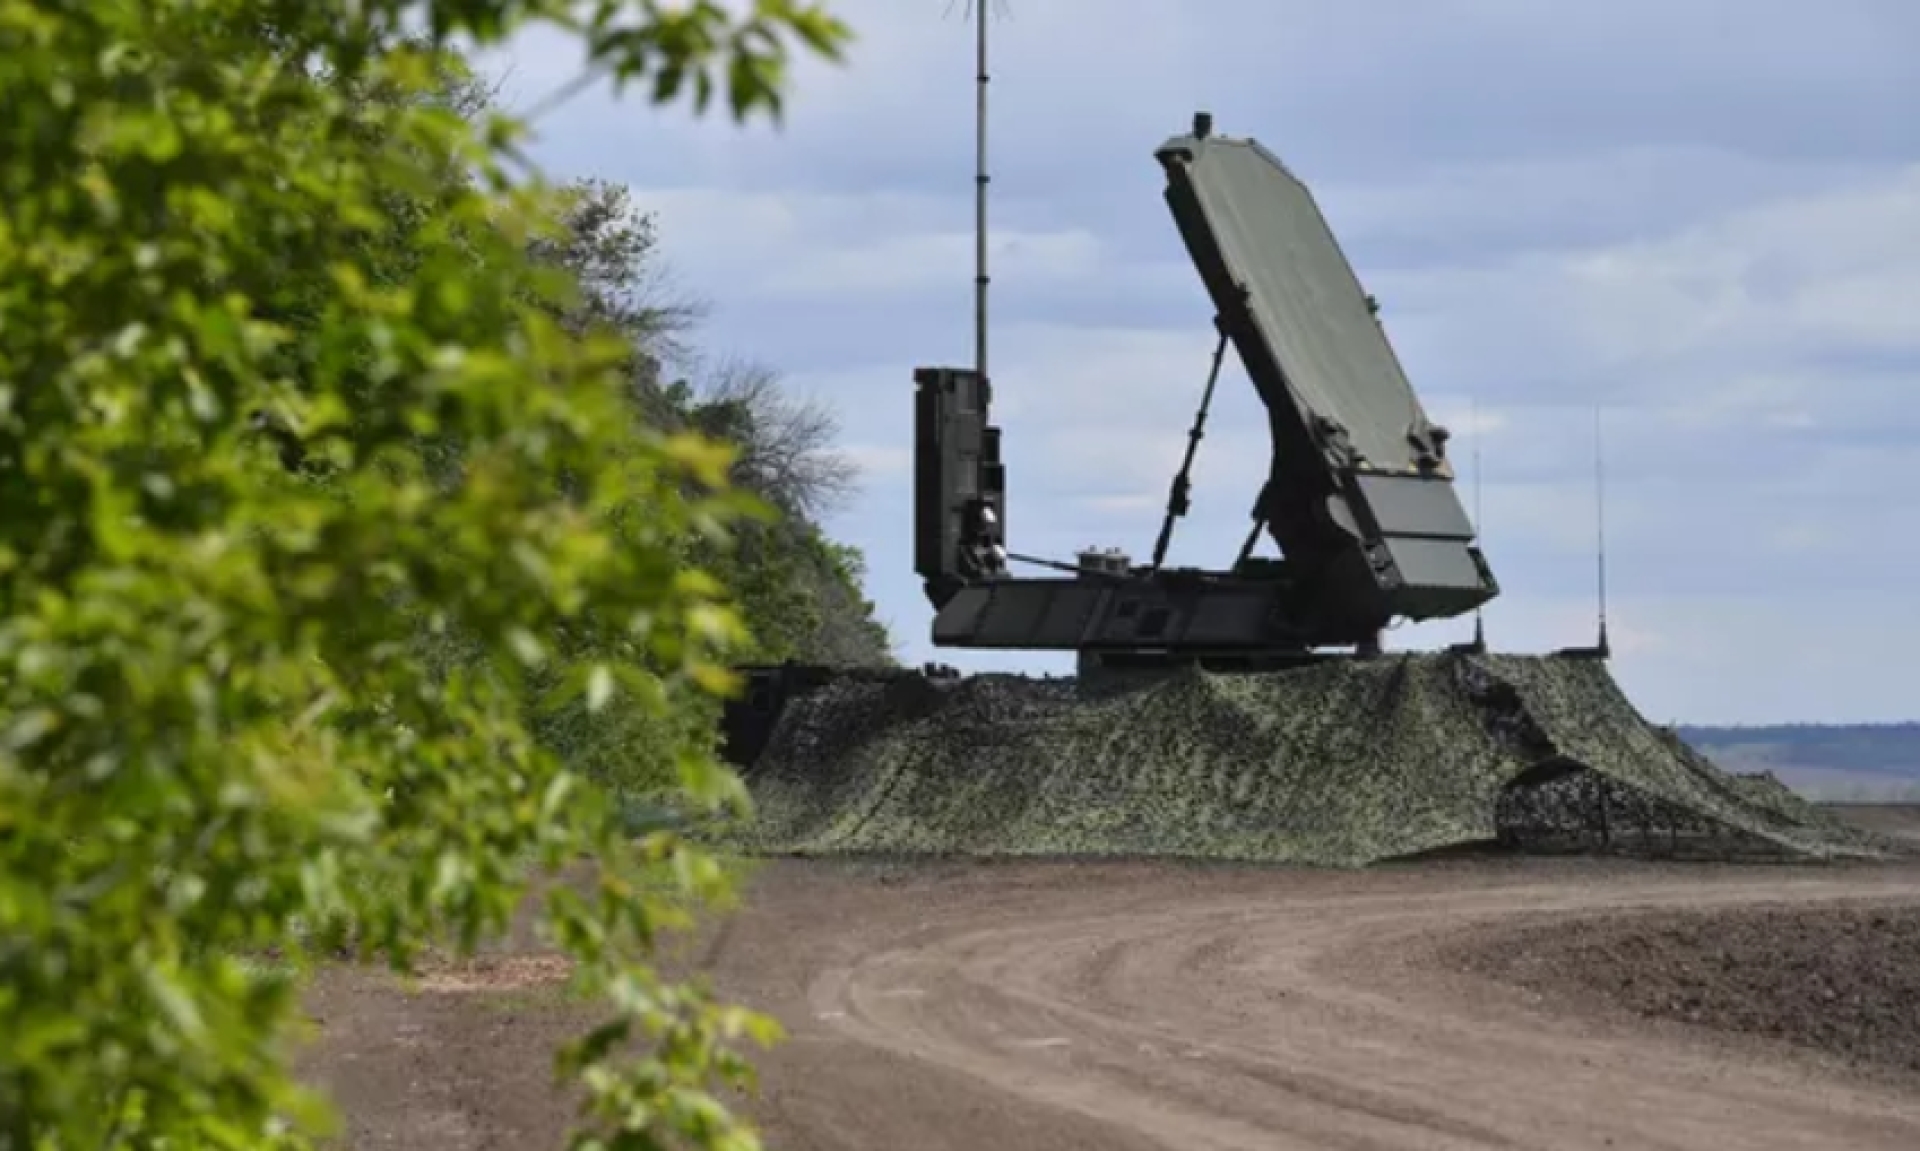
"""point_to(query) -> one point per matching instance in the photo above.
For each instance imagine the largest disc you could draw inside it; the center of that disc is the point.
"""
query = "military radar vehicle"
(1359, 496)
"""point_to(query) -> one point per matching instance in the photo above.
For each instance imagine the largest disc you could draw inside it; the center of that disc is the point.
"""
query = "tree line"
(1890, 748)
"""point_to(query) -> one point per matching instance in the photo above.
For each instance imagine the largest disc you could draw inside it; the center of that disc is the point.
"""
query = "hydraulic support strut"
(1179, 494)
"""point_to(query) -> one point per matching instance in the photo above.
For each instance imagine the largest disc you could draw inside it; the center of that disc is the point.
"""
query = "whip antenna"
(980, 192)
(1479, 531)
(1600, 527)
(978, 10)
(1478, 644)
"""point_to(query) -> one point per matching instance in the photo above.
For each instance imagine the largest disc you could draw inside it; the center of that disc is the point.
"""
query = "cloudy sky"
(1701, 216)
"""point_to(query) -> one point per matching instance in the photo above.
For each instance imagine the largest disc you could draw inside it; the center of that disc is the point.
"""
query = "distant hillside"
(1833, 762)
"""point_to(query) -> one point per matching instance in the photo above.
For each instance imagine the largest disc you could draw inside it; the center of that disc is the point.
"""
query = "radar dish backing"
(1306, 329)
(1359, 477)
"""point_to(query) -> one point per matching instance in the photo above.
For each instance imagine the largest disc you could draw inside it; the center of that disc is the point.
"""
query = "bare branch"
(787, 443)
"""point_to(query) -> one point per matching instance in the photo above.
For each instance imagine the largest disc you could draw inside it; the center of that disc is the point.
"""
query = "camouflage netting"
(1339, 763)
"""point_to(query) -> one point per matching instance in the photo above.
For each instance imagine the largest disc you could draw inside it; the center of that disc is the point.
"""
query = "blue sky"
(1702, 216)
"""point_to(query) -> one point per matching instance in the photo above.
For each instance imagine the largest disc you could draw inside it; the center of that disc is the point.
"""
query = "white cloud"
(876, 244)
(1466, 211)
(914, 262)
(1755, 291)
(1839, 268)
(1773, 399)
(879, 460)
(1806, 535)
(1131, 505)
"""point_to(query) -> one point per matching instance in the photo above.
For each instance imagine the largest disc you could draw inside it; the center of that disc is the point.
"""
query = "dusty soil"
(1842, 980)
(1126, 1006)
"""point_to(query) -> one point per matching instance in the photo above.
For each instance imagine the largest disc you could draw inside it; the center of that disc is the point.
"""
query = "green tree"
(219, 732)
(792, 586)
(799, 593)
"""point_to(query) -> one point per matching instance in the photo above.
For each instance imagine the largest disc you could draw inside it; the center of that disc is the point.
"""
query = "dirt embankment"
(1843, 981)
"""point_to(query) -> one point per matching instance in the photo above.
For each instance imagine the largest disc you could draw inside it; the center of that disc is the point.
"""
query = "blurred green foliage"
(314, 512)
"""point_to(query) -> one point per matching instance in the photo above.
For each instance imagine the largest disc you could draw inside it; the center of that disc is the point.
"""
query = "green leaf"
(599, 687)
(175, 1003)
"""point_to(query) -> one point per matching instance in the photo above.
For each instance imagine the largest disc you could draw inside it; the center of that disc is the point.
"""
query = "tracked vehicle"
(1359, 496)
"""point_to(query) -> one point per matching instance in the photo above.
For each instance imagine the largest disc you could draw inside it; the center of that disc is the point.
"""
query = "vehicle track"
(1263, 1015)
(1051, 1006)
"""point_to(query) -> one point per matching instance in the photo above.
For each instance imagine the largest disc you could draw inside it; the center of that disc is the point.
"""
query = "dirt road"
(1132, 1005)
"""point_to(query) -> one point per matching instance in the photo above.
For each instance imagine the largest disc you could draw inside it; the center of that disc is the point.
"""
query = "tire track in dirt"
(1122, 1006)
(1272, 1014)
